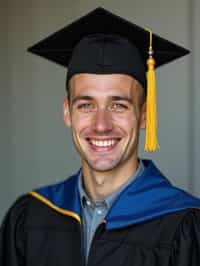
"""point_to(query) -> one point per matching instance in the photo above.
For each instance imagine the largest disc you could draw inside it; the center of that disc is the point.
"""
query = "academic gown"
(151, 223)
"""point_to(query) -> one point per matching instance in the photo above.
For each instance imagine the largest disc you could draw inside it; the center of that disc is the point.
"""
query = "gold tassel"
(151, 142)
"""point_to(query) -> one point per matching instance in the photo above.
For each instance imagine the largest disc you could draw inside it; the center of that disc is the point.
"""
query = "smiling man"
(105, 113)
(117, 209)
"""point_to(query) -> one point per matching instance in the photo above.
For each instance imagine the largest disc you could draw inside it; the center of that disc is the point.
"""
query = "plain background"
(35, 147)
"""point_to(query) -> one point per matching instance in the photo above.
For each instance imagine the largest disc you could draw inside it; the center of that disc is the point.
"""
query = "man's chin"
(102, 166)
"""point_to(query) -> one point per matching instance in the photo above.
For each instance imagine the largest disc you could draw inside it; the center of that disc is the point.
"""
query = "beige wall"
(35, 147)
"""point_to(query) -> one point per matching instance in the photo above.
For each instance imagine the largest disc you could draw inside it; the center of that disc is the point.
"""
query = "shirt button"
(88, 203)
(99, 211)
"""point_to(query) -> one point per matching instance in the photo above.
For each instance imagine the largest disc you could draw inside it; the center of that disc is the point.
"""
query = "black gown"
(151, 223)
(32, 234)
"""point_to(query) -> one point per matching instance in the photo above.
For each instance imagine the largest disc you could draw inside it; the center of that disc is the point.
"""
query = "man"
(118, 209)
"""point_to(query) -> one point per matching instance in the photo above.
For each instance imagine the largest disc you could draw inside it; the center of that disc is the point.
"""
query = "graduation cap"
(104, 43)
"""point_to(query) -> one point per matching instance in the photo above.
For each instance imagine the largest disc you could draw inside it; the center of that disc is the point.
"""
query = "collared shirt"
(93, 213)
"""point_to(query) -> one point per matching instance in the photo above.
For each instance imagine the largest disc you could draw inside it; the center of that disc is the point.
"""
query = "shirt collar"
(108, 201)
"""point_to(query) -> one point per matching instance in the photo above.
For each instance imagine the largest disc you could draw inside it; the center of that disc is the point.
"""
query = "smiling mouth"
(102, 144)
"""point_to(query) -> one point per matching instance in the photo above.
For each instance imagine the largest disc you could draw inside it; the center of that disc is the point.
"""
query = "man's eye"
(118, 107)
(85, 107)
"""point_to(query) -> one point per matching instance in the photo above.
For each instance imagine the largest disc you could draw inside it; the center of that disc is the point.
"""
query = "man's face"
(105, 113)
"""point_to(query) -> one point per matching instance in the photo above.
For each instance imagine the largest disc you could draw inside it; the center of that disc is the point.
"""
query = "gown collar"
(149, 196)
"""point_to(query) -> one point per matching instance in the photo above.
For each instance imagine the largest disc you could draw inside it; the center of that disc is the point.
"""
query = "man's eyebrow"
(113, 98)
(121, 98)
(81, 97)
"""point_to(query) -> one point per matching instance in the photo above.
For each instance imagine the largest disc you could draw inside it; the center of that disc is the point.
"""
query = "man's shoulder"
(183, 227)
(169, 228)
(149, 196)
(180, 221)
(45, 199)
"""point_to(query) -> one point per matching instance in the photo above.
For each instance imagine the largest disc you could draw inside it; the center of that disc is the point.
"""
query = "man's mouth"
(108, 143)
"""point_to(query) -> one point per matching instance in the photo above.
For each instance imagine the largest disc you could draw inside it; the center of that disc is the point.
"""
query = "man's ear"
(66, 112)
(143, 116)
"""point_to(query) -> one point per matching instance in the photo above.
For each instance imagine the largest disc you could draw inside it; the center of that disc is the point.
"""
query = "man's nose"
(102, 121)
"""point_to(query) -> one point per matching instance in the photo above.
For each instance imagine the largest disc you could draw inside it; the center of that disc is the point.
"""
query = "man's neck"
(99, 185)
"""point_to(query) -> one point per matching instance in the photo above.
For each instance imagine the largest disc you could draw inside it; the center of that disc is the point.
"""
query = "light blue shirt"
(93, 213)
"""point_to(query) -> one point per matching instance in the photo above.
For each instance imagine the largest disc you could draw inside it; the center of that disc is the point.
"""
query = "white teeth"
(103, 143)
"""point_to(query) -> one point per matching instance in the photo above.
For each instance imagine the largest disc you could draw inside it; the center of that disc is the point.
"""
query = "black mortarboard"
(100, 53)
(104, 43)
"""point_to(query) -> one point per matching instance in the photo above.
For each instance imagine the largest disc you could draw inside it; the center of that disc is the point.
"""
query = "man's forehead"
(102, 83)
(104, 86)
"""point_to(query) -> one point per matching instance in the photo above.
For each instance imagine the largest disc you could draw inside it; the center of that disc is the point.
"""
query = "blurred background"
(35, 147)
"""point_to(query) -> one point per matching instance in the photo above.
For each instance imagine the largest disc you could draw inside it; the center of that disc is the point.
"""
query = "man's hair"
(68, 92)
